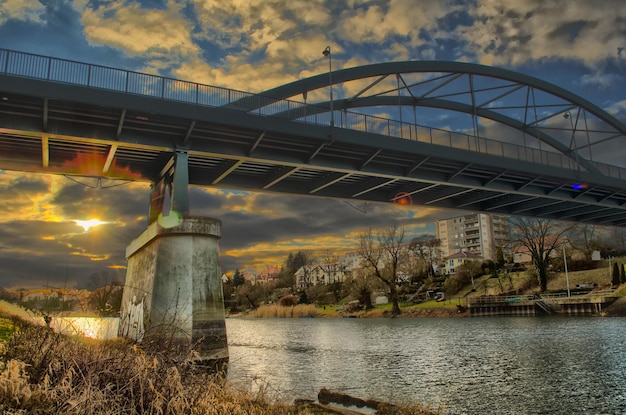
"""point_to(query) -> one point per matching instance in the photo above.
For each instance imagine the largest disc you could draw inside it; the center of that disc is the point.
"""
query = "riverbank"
(445, 309)
(457, 306)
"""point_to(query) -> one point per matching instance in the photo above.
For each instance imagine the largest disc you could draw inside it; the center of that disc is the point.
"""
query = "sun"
(86, 224)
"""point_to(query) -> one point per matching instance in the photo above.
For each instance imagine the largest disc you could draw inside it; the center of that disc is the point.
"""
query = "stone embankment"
(411, 312)
(617, 309)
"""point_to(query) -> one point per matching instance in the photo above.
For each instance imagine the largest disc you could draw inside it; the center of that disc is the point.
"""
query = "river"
(517, 365)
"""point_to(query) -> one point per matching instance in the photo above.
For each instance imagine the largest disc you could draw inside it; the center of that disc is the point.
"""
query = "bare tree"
(541, 237)
(382, 255)
(429, 251)
(106, 297)
(582, 236)
(302, 266)
(330, 265)
(304, 276)
(616, 239)
(249, 295)
(361, 288)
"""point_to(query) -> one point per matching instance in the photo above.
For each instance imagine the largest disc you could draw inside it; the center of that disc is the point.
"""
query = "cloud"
(399, 21)
(162, 34)
(602, 80)
(32, 10)
(262, 228)
(512, 32)
(271, 43)
(40, 238)
(41, 242)
(618, 110)
(37, 251)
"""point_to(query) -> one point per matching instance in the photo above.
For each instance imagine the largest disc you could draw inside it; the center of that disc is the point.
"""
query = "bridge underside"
(74, 130)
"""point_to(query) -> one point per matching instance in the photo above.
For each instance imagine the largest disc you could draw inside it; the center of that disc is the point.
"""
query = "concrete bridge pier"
(173, 291)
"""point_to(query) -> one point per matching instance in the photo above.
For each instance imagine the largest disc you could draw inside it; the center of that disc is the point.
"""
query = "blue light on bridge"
(580, 186)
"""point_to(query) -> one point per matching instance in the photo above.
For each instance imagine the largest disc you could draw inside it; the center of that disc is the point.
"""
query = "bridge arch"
(529, 105)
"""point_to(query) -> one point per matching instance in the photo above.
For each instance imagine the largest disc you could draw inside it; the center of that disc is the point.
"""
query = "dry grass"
(43, 373)
(601, 277)
(277, 311)
(15, 311)
(46, 373)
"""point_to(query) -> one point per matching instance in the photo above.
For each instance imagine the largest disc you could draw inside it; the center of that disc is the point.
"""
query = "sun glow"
(86, 224)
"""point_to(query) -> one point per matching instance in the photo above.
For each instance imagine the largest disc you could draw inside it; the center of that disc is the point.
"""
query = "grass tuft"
(277, 311)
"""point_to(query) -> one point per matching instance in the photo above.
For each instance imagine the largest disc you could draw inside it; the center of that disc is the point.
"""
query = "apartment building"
(477, 233)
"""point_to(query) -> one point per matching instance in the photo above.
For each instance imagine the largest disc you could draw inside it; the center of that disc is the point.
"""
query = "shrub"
(529, 282)
(288, 301)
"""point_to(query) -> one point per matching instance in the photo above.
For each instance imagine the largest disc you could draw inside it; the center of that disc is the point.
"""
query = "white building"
(478, 233)
(309, 275)
(454, 261)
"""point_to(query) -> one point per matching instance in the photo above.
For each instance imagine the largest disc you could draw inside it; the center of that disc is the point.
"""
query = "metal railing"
(130, 82)
(547, 298)
(496, 299)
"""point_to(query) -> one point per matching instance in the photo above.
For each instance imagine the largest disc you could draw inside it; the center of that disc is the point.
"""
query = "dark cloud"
(36, 252)
(25, 187)
(81, 201)
(39, 251)
(56, 250)
(571, 30)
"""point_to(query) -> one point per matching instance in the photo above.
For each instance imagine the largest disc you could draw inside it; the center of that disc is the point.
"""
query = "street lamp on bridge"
(326, 52)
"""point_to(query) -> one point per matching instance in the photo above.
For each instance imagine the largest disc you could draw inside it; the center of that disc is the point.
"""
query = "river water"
(517, 365)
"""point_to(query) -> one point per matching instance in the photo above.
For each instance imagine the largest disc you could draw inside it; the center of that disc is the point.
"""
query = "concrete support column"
(169, 197)
(173, 290)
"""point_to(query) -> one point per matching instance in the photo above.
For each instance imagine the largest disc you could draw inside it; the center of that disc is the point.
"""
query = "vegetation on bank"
(404, 273)
(516, 283)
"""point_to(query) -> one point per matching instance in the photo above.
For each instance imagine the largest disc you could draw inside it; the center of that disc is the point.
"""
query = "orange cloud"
(91, 164)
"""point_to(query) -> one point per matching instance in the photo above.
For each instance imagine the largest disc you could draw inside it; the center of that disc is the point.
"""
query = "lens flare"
(403, 198)
(86, 224)
(171, 220)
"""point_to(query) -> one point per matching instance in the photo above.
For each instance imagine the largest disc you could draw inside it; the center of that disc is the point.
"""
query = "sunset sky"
(253, 46)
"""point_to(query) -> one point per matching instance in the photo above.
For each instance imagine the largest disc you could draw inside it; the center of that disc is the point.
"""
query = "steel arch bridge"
(441, 134)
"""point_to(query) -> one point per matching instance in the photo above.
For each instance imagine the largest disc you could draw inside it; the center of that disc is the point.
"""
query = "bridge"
(515, 145)
(66, 117)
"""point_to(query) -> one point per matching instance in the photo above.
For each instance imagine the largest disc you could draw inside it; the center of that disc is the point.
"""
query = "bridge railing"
(113, 79)
(499, 299)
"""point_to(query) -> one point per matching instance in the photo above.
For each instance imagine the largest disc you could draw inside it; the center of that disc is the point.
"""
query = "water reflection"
(472, 366)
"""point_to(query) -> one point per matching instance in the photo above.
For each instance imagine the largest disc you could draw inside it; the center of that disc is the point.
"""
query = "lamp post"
(326, 52)
(566, 276)
(568, 116)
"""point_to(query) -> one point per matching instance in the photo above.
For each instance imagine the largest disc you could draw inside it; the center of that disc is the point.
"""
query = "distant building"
(478, 233)
(249, 276)
(324, 274)
(350, 263)
(268, 274)
(453, 261)
(521, 254)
